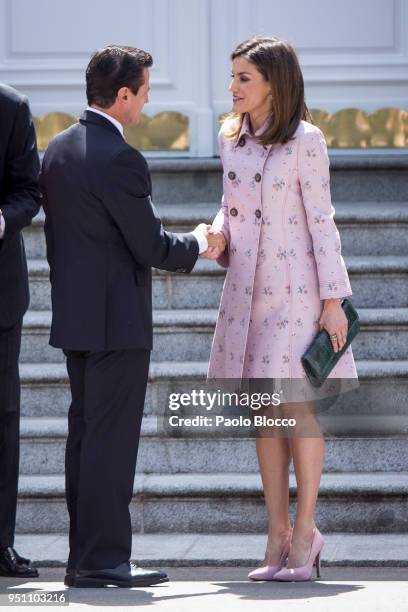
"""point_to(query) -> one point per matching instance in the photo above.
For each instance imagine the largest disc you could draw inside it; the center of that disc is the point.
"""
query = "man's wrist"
(202, 241)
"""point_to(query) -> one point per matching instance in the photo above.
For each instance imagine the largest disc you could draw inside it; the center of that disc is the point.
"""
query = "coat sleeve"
(221, 220)
(127, 198)
(21, 196)
(314, 177)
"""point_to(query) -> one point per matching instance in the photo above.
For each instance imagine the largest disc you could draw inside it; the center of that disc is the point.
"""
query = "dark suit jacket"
(19, 200)
(103, 235)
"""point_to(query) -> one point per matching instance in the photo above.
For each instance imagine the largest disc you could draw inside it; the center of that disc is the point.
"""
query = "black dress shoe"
(126, 575)
(14, 566)
(69, 577)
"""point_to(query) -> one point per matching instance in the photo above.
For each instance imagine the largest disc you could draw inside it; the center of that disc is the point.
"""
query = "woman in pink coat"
(285, 277)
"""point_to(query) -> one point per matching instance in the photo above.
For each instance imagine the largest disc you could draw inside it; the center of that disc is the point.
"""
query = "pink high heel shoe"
(267, 572)
(304, 572)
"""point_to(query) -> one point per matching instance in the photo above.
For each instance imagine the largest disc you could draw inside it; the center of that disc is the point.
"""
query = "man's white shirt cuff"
(202, 241)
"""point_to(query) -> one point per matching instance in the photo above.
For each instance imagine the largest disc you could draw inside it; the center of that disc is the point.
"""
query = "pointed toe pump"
(304, 572)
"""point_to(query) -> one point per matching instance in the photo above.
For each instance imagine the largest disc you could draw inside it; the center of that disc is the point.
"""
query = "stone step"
(186, 335)
(227, 503)
(366, 228)
(378, 406)
(364, 177)
(245, 550)
(377, 282)
(43, 446)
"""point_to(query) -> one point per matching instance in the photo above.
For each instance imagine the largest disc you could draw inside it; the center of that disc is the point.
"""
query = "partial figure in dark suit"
(103, 236)
(19, 203)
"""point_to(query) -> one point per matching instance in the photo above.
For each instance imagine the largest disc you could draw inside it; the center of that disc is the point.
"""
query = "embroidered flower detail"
(234, 286)
(310, 251)
(293, 220)
(265, 359)
(278, 183)
(233, 250)
(299, 322)
(248, 253)
(333, 286)
(231, 319)
(306, 186)
(325, 184)
(220, 348)
(285, 358)
(265, 221)
(319, 219)
(242, 322)
(248, 290)
(322, 251)
(302, 289)
(288, 150)
(265, 322)
(251, 357)
(281, 254)
(231, 356)
(268, 290)
(287, 289)
(282, 323)
(292, 253)
(222, 312)
(241, 218)
(310, 153)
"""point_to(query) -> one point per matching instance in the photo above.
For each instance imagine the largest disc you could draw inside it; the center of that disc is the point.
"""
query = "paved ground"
(227, 589)
(232, 549)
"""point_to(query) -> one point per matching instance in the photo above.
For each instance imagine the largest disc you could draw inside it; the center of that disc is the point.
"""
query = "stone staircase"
(212, 485)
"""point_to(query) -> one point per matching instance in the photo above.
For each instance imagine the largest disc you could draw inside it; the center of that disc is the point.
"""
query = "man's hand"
(216, 241)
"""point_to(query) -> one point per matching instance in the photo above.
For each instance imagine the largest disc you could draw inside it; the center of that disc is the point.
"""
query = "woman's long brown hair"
(277, 62)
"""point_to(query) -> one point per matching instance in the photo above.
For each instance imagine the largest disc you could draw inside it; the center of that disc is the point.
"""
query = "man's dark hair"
(114, 67)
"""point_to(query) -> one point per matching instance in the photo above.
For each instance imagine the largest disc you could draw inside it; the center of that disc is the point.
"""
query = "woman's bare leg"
(274, 459)
(307, 449)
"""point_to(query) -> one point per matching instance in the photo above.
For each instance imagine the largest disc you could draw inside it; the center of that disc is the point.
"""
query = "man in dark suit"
(19, 203)
(103, 236)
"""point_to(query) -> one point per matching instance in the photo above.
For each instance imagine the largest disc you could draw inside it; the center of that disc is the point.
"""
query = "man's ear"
(123, 93)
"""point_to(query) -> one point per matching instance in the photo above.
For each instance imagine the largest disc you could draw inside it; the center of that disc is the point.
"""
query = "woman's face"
(250, 91)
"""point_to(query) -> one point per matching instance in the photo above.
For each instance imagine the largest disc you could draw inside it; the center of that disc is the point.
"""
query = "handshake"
(215, 238)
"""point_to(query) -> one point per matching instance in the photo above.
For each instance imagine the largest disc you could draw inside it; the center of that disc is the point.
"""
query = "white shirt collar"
(115, 122)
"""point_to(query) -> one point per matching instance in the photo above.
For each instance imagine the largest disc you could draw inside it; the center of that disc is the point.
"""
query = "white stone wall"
(353, 54)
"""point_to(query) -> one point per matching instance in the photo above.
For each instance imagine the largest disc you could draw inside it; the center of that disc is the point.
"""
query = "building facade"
(354, 57)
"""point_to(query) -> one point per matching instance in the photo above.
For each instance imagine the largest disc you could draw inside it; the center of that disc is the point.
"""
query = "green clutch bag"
(320, 359)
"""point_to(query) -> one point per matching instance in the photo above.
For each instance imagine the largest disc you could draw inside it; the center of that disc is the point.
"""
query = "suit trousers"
(10, 341)
(108, 391)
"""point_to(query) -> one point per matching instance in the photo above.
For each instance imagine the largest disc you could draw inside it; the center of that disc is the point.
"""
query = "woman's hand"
(213, 252)
(334, 321)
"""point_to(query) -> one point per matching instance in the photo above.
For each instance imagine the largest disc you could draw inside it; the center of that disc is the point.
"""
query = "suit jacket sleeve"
(314, 177)
(127, 198)
(47, 225)
(221, 221)
(21, 199)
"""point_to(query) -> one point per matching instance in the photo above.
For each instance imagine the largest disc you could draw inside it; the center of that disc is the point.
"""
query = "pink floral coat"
(283, 256)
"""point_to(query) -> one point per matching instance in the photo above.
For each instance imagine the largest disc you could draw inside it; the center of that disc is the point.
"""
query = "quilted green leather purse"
(320, 359)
